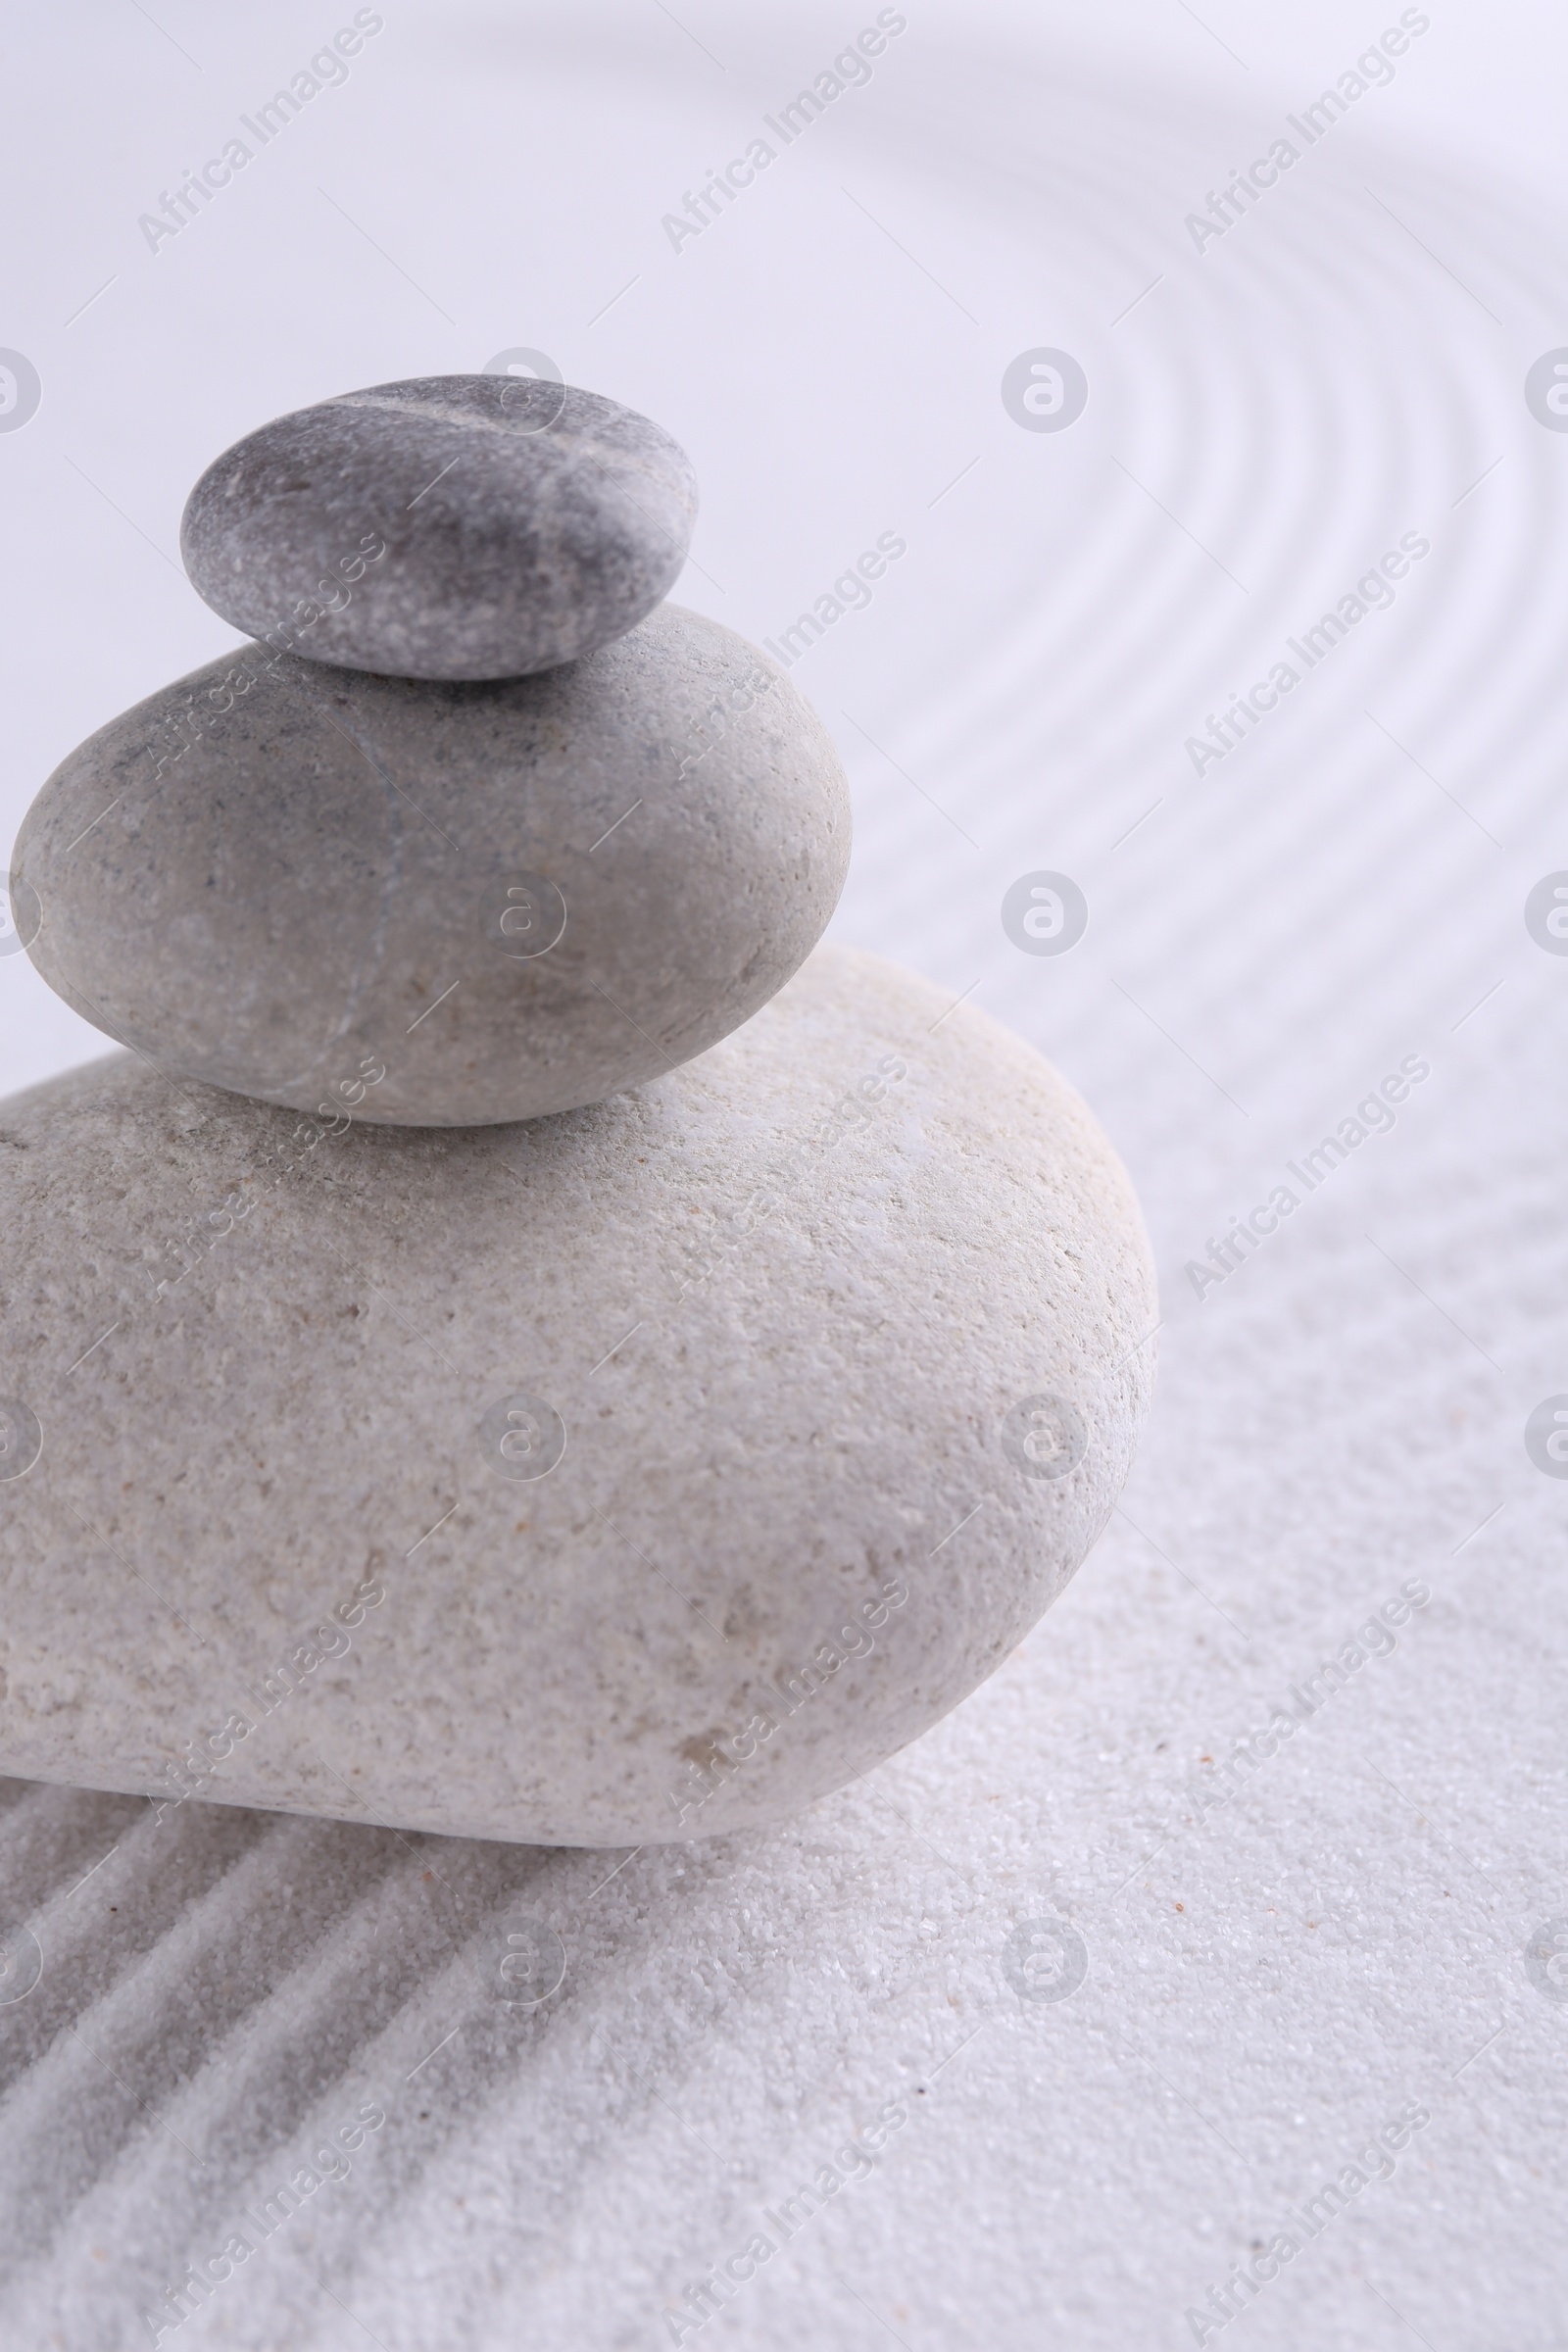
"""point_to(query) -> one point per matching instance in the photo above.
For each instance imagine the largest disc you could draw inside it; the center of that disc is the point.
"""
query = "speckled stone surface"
(439, 905)
(632, 1474)
(450, 527)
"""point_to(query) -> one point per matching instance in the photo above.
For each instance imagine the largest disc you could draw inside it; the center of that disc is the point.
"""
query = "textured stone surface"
(452, 527)
(285, 879)
(785, 1318)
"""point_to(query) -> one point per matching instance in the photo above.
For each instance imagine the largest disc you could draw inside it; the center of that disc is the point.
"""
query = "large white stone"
(633, 1474)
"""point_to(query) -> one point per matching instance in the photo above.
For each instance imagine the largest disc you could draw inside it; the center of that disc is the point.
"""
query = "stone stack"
(651, 1381)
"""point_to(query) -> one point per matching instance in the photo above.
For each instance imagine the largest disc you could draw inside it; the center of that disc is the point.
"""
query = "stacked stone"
(476, 810)
(702, 1419)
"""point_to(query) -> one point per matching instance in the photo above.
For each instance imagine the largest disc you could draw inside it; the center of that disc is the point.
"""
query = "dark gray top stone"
(452, 527)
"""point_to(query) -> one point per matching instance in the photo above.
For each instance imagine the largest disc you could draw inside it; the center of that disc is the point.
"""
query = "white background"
(1280, 1975)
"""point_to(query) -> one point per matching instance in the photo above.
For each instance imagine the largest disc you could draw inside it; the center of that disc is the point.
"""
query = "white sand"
(1269, 1981)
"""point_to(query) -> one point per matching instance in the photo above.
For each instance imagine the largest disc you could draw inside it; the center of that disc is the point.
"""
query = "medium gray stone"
(632, 1475)
(438, 905)
(451, 527)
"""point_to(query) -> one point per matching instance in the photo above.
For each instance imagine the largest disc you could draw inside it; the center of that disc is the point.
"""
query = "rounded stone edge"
(656, 436)
(153, 710)
(1138, 1382)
